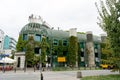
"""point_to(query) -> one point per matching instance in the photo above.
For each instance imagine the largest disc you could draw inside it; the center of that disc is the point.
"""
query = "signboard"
(61, 59)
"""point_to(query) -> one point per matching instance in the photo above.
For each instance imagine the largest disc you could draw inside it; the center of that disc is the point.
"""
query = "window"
(65, 43)
(81, 44)
(96, 46)
(82, 54)
(96, 54)
(24, 36)
(37, 37)
(65, 53)
(55, 42)
(36, 50)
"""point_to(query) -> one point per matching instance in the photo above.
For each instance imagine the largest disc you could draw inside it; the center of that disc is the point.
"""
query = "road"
(51, 75)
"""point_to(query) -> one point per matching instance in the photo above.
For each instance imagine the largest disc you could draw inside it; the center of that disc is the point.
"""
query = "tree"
(13, 54)
(29, 54)
(72, 51)
(109, 22)
(20, 44)
(44, 45)
(106, 53)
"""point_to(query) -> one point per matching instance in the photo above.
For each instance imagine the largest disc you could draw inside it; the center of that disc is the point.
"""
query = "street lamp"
(40, 66)
(51, 42)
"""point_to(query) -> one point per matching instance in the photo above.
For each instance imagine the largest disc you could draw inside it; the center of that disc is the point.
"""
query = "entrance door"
(18, 64)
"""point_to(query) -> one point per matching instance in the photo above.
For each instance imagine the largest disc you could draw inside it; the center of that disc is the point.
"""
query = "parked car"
(106, 66)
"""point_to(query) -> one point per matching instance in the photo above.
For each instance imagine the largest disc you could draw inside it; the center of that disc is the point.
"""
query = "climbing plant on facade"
(44, 46)
(72, 51)
(29, 51)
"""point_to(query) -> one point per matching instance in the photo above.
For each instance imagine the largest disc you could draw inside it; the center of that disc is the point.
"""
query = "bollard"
(41, 76)
(79, 74)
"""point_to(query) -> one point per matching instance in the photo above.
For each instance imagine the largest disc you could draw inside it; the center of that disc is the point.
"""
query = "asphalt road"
(50, 75)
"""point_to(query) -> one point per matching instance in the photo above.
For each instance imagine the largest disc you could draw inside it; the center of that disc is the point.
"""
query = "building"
(9, 45)
(38, 28)
(1, 42)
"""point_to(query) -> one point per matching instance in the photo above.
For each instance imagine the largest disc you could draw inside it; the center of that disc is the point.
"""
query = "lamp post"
(51, 48)
(40, 66)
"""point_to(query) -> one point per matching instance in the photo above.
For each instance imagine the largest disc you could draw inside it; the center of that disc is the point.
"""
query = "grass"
(69, 69)
(107, 77)
(60, 69)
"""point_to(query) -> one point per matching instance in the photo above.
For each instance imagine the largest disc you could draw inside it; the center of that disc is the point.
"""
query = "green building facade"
(38, 28)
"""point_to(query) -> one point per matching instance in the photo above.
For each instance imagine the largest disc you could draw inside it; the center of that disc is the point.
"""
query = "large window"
(95, 45)
(37, 37)
(96, 54)
(24, 36)
(81, 44)
(65, 53)
(55, 42)
(36, 50)
(82, 54)
(64, 42)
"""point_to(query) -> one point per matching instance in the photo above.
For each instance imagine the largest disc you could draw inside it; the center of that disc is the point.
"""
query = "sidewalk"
(51, 75)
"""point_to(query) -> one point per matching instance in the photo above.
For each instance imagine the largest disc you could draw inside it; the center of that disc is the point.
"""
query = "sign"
(61, 59)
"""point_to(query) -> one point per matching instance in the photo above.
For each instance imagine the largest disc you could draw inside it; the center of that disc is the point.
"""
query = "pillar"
(90, 49)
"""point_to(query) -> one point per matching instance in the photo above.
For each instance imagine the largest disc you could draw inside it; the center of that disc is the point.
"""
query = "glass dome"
(33, 27)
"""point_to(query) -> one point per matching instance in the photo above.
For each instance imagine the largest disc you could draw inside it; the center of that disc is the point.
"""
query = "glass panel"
(82, 44)
(65, 42)
(37, 37)
(36, 50)
(24, 36)
(82, 54)
(55, 42)
(96, 46)
(96, 54)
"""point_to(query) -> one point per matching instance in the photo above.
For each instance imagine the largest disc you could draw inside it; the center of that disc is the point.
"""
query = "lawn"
(107, 77)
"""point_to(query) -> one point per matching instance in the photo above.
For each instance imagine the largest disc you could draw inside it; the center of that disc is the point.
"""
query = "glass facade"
(6, 42)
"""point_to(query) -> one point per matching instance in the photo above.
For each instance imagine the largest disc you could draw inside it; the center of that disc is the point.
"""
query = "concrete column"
(73, 32)
(90, 49)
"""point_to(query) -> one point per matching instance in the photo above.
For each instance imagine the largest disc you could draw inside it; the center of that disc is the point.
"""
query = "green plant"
(109, 21)
(72, 51)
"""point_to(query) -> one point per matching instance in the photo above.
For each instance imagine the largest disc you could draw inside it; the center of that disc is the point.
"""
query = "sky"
(65, 14)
